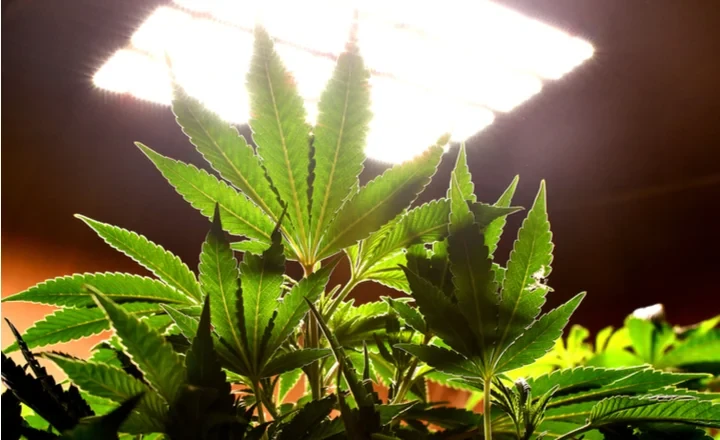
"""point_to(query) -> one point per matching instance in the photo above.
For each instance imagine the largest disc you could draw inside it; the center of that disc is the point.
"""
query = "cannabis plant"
(213, 355)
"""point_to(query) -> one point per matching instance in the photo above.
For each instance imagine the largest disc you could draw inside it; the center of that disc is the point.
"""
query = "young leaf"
(219, 278)
(523, 291)
(161, 366)
(228, 153)
(162, 263)
(277, 120)
(70, 291)
(412, 317)
(339, 143)
(66, 325)
(461, 179)
(293, 307)
(203, 367)
(623, 409)
(293, 360)
(494, 230)
(380, 201)
(539, 338)
(116, 385)
(442, 359)
(261, 278)
(442, 316)
(204, 191)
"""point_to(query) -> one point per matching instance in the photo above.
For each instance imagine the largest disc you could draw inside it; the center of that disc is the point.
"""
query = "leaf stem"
(487, 417)
(408, 379)
(575, 432)
(258, 400)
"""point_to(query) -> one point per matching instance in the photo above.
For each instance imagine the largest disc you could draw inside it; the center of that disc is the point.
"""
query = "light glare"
(436, 69)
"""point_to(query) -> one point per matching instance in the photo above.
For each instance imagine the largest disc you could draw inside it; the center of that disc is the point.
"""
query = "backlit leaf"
(162, 263)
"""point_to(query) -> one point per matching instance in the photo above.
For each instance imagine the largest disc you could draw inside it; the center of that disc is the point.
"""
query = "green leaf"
(287, 382)
(639, 382)
(66, 325)
(412, 317)
(623, 409)
(261, 278)
(425, 224)
(380, 201)
(70, 291)
(576, 379)
(700, 349)
(388, 272)
(252, 246)
(388, 413)
(307, 419)
(293, 360)
(494, 230)
(293, 307)
(474, 282)
(203, 366)
(486, 214)
(277, 120)
(228, 153)
(162, 263)
(339, 143)
(116, 385)
(204, 191)
(523, 290)
(161, 366)
(445, 360)
(219, 278)
(442, 316)
(461, 179)
(106, 426)
(539, 338)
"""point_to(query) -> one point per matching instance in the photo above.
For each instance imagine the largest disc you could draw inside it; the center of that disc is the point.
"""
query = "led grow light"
(435, 69)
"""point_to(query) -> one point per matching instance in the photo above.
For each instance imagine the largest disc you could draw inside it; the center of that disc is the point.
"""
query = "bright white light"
(437, 68)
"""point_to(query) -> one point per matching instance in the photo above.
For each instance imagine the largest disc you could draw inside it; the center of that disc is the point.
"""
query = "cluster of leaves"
(214, 355)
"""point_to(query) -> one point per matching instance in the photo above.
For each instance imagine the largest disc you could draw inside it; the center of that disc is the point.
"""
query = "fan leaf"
(280, 130)
(70, 291)
(228, 153)
(523, 291)
(292, 360)
(340, 133)
(380, 201)
(66, 325)
(539, 338)
(204, 191)
(162, 263)
(161, 366)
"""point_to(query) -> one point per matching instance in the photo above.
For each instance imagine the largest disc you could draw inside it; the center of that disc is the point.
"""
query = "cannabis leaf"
(162, 263)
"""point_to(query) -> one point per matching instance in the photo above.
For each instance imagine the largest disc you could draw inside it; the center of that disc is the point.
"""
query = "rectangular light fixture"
(436, 68)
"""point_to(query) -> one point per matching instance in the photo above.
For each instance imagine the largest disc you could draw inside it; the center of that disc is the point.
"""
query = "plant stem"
(258, 400)
(487, 418)
(408, 379)
(313, 341)
(575, 432)
(265, 398)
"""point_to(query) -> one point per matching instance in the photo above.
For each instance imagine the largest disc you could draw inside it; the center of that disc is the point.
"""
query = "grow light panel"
(434, 69)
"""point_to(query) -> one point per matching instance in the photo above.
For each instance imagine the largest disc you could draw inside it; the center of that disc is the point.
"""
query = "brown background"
(628, 144)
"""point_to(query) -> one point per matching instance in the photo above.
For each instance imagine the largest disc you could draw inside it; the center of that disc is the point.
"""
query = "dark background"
(628, 144)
